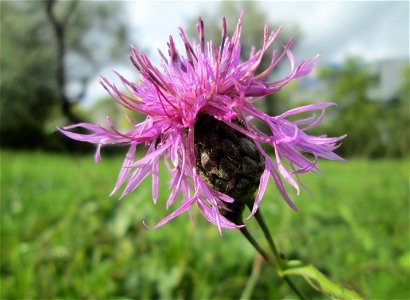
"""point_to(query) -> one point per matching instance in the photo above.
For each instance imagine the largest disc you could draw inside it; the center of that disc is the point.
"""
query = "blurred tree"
(368, 122)
(85, 33)
(39, 41)
(396, 119)
(252, 34)
(27, 91)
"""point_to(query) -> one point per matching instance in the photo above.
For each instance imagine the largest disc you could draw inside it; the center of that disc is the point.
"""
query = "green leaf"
(318, 280)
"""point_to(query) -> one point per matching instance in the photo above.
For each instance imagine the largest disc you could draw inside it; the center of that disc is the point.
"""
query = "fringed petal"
(213, 80)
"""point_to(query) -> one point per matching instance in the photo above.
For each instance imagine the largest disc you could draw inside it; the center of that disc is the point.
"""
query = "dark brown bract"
(227, 160)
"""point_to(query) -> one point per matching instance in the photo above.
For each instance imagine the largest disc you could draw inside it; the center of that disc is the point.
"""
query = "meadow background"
(63, 237)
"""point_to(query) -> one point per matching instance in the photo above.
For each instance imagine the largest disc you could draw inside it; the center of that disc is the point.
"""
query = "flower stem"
(275, 264)
(268, 236)
(281, 262)
(255, 244)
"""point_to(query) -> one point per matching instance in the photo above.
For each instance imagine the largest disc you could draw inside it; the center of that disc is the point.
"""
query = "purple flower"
(209, 80)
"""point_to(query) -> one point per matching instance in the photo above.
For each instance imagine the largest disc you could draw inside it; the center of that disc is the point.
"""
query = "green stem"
(281, 263)
(294, 288)
(268, 236)
(255, 244)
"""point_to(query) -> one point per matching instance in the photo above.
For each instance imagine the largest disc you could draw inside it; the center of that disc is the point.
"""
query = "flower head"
(210, 85)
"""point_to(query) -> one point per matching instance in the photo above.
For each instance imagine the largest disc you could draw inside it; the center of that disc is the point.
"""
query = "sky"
(374, 30)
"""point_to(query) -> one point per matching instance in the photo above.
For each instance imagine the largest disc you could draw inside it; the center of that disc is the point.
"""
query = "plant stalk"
(280, 262)
(255, 244)
(275, 264)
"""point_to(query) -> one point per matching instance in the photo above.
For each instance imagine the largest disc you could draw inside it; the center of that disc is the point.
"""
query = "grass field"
(63, 237)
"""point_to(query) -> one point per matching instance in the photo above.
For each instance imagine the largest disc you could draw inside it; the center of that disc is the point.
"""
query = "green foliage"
(351, 82)
(27, 90)
(63, 237)
(396, 120)
(96, 35)
(375, 127)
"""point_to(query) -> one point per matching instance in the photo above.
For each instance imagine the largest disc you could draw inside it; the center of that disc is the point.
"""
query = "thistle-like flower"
(200, 116)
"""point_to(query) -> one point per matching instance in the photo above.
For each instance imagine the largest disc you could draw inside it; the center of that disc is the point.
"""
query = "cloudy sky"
(374, 30)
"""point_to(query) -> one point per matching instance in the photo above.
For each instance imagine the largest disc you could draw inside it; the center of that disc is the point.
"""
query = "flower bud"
(228, 161)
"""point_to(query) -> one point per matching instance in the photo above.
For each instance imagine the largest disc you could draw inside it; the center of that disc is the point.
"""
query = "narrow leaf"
(318, 280)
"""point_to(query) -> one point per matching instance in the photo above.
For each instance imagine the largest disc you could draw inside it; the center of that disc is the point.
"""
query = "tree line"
(49, 45)
(46, 46)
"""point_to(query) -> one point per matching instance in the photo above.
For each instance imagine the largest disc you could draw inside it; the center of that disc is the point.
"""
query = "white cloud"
(335, 29)
(373, 30)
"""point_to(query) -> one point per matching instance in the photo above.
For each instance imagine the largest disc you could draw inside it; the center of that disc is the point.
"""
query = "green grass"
(63, 237)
